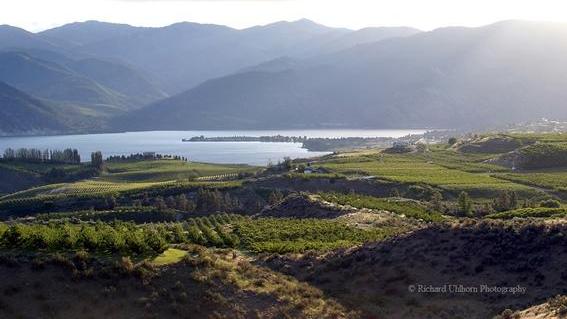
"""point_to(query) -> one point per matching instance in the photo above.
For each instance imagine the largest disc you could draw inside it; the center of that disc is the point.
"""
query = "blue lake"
(169, 142)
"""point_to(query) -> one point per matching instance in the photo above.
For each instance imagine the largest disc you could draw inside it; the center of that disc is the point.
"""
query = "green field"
(553, 180)
(124, 177)
(409, 208)
(87, 187)
(257, 235)
(417, 169)
(168, 170)
(539, 212)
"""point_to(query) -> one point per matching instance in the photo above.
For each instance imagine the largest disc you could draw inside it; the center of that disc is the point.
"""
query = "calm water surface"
(169, 142)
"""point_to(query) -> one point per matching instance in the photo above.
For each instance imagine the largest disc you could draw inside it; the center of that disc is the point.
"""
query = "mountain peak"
(301, 24)
(12, 29)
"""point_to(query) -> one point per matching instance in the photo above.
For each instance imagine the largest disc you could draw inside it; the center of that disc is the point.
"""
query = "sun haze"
(353, 14)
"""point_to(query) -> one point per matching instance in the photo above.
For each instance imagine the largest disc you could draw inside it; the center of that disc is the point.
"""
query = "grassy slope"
(133, 176)
(167, 170)
(445, 172)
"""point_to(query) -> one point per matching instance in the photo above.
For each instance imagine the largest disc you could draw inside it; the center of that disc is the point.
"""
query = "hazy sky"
(35, 15)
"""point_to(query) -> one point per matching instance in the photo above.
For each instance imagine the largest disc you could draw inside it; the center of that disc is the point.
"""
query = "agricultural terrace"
(451, 175)
(222, 230)
(168, 170)
(136, 176)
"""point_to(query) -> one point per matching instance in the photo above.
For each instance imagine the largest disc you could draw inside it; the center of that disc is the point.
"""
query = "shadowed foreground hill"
(378, 279)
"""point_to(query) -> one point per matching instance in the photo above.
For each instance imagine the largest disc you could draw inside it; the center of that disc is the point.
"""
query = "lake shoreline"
(170, 142)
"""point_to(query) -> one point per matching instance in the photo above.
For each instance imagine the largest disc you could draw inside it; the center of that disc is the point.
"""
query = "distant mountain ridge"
(93, 71)
(185, 54)
(452, 77)
(98, 76)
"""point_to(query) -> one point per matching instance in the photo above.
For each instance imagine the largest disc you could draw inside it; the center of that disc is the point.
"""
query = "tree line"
(68, 155)
(148, 156)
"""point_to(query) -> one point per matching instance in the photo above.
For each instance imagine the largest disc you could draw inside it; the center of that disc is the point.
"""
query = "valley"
(345, 235)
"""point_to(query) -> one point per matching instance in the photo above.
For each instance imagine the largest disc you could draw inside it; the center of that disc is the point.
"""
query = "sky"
(37, 15)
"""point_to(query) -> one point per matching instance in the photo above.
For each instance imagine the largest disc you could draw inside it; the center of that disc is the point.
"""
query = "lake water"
(169, 142)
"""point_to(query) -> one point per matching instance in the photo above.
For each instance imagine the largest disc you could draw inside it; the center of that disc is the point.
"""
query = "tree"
(97, 161)
(436, 201)
(170, 202)
(184, 204)
(275, 197)
(513, 200)
(208, 201)
(287, 164)
(395, 193)
(452, 141)
(505, 201)
(465, 204)
(550, 203)
(159, 203)
(111, 202)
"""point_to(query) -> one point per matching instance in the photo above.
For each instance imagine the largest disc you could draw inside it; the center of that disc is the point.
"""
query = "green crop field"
(549, 179)
(127, 177)
(408, 208)
(539, 212)
(278, 235)
(416, 169)
(167, 170)
(87, 187)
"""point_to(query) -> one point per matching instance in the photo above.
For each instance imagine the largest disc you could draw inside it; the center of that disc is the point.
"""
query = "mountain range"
(96, 76)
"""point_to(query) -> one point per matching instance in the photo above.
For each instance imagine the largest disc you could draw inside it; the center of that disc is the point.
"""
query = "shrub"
(195, 235)
(539, 212)
(550, 203)
(125, 265)
(465, 204)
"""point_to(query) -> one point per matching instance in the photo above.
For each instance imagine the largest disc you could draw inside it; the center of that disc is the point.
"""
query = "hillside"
(83, 93)
(92, 71)
(13, 37)
(451, 77)
(186, 54)
(357, 237)
(53, 81)
(20, 112)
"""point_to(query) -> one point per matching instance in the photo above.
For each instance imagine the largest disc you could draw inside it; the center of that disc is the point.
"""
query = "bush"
(465, 204)
(550, 203)
(539, 212)
(125, 265)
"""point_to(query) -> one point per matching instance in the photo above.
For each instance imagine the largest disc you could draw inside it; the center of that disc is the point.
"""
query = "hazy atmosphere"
(283, 159)
(353, 14)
